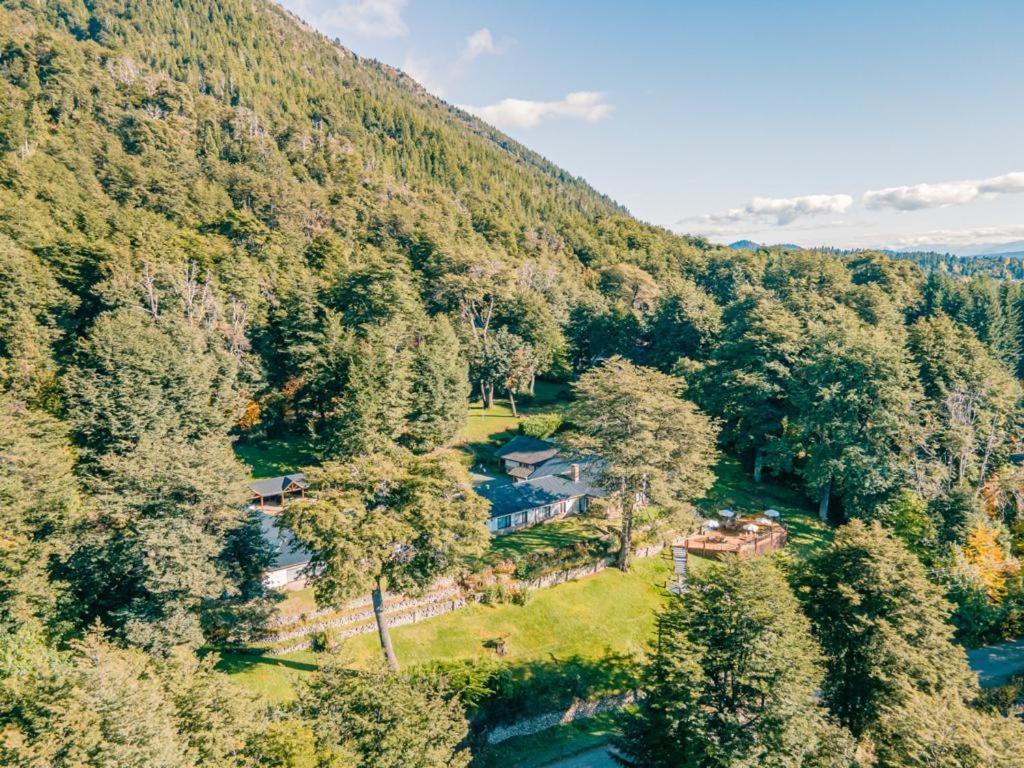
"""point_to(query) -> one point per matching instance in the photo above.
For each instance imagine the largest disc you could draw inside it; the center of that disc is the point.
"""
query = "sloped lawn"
(611, 613)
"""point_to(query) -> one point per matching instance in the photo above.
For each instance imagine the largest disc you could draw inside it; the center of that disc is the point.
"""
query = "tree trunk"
(483, 394)
(382, 628)
(489, 401)
(512, 402)
(823, 503)
(533, 384)
(758, 465)
(627, 537)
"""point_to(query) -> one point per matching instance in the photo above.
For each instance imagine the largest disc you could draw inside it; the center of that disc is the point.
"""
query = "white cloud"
(940, 238)
(522, 113)
(367, 18)
(479, 43)
(777, 211)
(942, 194)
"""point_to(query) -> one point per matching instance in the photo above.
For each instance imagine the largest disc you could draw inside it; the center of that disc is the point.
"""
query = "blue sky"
(842, 123)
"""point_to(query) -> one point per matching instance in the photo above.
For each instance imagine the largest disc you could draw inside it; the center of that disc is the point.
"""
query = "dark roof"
(527, 450)
(515, 497)
(521, 472)
(287, 551)
(273, 486)
(560, 465)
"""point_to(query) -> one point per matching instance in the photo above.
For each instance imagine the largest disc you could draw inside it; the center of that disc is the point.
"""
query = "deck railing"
(715, 545)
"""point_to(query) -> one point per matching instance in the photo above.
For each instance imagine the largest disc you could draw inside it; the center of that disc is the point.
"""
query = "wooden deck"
(727, 542)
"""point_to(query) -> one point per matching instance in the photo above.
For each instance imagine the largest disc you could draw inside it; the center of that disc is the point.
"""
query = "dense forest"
(218, 225)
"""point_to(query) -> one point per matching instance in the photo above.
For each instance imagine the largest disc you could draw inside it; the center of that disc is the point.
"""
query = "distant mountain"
(972, 249)
(750, 245)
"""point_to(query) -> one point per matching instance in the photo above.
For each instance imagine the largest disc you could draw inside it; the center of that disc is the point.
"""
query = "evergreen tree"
(439, 388)
(137, 376)
(685, 324)
(882, 625)
(854, 419)
(40, 505)
(734, 680)
(385, 522)
(943, 732)
(655, 447)
(748, 381)
(98, 705)
(972, 399)
(158, 551)
(369, 411)
(381, 720)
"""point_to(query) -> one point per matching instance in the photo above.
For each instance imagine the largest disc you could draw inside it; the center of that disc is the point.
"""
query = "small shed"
(525, 452)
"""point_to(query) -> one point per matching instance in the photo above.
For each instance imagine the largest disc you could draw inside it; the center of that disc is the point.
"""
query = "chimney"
(574, 472)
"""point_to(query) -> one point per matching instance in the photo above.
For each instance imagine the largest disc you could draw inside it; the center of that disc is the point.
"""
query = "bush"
(503, 594)
(319, 642)
(541, 425)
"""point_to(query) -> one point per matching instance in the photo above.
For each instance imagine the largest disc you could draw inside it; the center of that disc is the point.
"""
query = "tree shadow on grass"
(507, 691)
(235, 662)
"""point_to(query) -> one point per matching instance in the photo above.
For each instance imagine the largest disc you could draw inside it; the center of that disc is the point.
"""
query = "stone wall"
(579, 710)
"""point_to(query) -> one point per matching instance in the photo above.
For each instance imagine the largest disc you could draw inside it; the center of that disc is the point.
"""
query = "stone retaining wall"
(579, 710)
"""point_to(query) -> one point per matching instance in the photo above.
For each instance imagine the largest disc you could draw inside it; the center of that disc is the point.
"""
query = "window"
(504, 522)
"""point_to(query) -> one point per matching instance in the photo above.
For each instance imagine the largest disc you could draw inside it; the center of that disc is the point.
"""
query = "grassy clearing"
(274, 456)
(545, 747)
(611, 613)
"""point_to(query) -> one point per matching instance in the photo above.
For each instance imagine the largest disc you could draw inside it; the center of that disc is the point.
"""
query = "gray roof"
(561, 465)
(273, 486)
(287, 550)
(527, 450)
(530, 494)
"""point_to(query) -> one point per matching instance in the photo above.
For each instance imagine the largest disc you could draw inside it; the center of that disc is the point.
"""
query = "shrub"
(541, 425)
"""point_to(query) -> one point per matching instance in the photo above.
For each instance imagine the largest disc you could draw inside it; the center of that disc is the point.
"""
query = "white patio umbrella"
(772, 513)
(763, 521)
(750, 528)
(726, 513)
(712, 524)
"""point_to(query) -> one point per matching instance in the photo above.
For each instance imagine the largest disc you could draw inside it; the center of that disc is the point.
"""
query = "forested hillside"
(217, 225)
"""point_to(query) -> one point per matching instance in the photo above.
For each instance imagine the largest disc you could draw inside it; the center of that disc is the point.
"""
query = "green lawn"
(545, 747)
(611, 613)
(487, 429)
(550, 537)
(274, 456)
